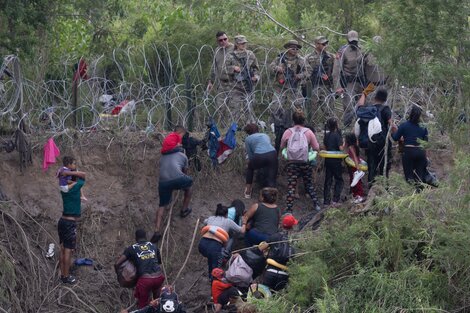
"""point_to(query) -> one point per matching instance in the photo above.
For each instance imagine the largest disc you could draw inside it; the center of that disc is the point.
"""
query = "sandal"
(185, 212)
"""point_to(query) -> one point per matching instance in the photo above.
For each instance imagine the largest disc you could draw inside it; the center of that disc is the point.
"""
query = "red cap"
(171, 141)
(289, 221)
(218, 273)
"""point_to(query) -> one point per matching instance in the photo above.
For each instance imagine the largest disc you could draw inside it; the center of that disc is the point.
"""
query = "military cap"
(239, 39)
(292, 42)
(320, 39)
(353, 35)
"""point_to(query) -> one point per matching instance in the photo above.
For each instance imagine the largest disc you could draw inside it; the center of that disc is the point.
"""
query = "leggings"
(294, 172)
(267, 161)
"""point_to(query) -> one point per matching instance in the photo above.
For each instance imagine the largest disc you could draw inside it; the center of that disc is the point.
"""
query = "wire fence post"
(168, 82)
(189, 102)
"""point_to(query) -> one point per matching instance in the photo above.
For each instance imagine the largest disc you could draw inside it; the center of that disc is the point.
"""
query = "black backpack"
(169, 303)
(281, 251)
(365, 114)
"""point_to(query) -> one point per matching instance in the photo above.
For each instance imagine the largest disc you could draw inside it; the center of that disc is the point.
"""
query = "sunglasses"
(222, 39)
(324, 44)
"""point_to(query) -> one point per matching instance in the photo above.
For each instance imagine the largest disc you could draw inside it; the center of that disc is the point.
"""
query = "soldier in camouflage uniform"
(219, 77)
(243, 71)
(320, 68)
(291, 73)
(348, 75)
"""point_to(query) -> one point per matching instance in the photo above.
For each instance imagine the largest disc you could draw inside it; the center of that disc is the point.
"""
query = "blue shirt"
(411, 132)
(258, 143)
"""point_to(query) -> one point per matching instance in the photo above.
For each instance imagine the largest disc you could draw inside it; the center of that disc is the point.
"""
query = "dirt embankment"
(122, 175)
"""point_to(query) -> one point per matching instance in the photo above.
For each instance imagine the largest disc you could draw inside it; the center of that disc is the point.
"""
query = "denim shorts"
(165, 189)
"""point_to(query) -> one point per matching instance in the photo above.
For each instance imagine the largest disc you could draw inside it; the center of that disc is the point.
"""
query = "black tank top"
(266, 220)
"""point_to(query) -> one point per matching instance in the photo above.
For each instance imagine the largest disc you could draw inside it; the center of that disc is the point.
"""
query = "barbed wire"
(164, 84)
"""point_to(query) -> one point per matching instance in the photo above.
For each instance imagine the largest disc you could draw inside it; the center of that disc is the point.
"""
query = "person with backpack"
(280, 251)
(299, 140)
(332, 141)
(371, 128)
(147, 259)
(261, 156)
(166, 303)
(414, 156)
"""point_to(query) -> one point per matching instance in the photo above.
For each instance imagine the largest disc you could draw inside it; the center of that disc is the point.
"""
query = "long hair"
(415, 114)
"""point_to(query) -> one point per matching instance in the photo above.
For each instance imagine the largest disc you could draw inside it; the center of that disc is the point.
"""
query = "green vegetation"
(409, 252)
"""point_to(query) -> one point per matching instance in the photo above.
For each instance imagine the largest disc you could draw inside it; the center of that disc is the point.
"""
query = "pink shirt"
(312, 140)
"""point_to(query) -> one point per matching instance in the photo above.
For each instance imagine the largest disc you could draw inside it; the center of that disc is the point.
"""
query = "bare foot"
(84, 198)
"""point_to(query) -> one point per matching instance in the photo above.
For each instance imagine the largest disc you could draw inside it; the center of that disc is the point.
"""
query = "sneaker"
(247, 194)
(317, 208)
(357, 177)
(358, 200)
(68, 279)
(50, 251)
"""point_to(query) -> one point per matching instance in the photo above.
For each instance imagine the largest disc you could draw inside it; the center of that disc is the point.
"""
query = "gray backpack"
(239, 273)
(297, 145)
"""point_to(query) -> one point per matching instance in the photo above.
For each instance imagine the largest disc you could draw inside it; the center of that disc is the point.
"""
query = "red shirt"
(217, 288)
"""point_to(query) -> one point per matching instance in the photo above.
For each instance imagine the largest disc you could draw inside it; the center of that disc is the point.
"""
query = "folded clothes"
(83, 261)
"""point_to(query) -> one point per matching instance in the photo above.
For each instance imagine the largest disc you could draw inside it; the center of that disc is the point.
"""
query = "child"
(355, 175)
(222, 290)
(66, 175)
(333, 167)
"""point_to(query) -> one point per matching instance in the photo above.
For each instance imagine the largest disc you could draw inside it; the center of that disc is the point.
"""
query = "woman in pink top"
(299, 167)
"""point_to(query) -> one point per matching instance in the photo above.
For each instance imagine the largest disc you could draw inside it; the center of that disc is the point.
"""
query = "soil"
(121, 187)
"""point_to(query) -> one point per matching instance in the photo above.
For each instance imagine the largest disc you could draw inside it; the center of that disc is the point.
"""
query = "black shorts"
(67, 233)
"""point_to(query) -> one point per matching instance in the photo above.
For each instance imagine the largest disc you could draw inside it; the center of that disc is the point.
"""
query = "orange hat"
(289, 221)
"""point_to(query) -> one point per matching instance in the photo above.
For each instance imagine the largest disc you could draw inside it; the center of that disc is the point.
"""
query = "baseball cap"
(353, 35)
(289, 221)
(240, 39)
